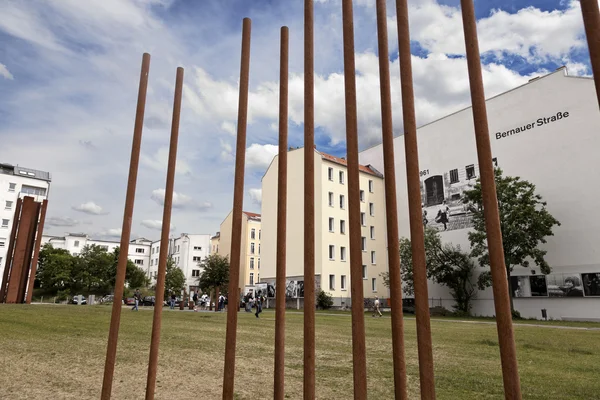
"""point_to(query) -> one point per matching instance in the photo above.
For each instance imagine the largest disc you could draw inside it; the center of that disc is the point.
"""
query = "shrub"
(324, 300)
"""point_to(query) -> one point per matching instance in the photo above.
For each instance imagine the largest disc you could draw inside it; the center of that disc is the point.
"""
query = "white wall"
(559, 157)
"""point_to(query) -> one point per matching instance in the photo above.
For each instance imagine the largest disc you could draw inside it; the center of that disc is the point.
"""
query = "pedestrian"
(221, 302)
(259, 300)
(136, 298)
(195, 298)
(173, 298)
(376, 307)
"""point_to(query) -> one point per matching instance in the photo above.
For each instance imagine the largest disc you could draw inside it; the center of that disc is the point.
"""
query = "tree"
(446, 265)
(174, 279)
(524, 220)
(215, 273)
(324, 300)
(55, 267)
(136, 277)
(93, 268)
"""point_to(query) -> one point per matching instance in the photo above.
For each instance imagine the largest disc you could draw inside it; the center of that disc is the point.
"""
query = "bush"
(516, 315)
(324, 300)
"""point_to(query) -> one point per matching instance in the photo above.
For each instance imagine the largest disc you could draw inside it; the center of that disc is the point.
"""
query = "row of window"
(344, 283)
(343, 225)
(252, 278)
(252, 248)
(343, 252)
(341, 176)
(25, 189)
(253, 234)
(343, 203)
(252, 263)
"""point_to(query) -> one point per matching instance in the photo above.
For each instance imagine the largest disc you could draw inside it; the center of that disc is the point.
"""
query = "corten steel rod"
(414, 205)
(508, 353)
(29, 252)
(238, 200)
(281, 219)
(164, 239)
(391, 204)
(309, 202)
(36, 251)
(115, 320)
(591, 21)
(359, 360)
(20, 254)
(9, 252)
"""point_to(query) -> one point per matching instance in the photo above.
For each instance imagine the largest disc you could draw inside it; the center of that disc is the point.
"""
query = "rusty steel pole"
(238, 201)
(506, 339)
(359, 360)
(417, 236)
(278, 391)
(389, 171)
(115, 320)
(9, 252)
(309, 202)
(164, 239)
(591, 21)
(36, 251)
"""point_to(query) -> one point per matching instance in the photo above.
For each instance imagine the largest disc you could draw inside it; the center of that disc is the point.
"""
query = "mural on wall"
(442, 196)
(529, 286)
(294, 287)
(591, 284)
(556, 285)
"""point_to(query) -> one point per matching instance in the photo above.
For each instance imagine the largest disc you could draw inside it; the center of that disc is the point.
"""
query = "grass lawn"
(57, 352)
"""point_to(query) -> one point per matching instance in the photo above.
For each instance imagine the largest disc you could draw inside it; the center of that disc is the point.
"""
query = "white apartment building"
(546, 132)
(17, 182)
(332, 250)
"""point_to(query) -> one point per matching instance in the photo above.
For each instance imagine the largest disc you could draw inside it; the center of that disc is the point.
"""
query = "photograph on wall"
(538, 285)
(564, 285)
(442, 196)
(520, 286)
(591, 284)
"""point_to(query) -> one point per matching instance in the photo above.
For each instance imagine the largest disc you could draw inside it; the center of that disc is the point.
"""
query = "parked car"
(130, 301)
(408, 306)
(107, 298)
(76, 300)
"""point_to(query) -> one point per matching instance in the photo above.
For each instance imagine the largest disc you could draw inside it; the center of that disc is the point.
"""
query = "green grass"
(58, 352)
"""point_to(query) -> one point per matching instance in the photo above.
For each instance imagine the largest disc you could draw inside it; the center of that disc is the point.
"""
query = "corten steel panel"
(28, 254)
(591, 21)
(16, 272)
(164, 238)
(36, 251)
(9, 252)
(236, 230)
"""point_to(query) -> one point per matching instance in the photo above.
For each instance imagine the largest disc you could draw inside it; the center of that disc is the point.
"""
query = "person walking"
(259, 301)
(136, 298)
(173, 298)
(376, 307)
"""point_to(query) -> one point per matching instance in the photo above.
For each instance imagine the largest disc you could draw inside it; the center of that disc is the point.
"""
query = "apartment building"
(17, 182)
(214, 243)
(250, 255)
(332, 249)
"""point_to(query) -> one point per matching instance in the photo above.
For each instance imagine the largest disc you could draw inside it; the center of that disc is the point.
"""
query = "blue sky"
(69, 72)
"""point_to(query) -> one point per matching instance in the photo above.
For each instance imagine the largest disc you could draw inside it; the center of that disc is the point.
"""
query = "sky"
(69, 75)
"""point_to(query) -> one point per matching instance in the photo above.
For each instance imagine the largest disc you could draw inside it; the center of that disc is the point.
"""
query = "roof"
(9, 169)
(251, 215)
(342, 161)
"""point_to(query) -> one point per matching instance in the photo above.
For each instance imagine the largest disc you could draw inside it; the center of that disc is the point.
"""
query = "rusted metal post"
(414, 205)
(591, 21)
(238, 201)
(359, 360)
(17, 273)
(281, 219)
(508, 353)
(309, 202)
(391, 204)
(115, 320)
(9, 252)
(36, 251)
(31, 229)
(164, 239)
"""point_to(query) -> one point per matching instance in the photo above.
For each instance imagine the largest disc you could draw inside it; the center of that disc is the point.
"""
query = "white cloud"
(180, 200)
(160, 160)
(5, 72)
(90, 208)
(61, 221)
(113, 232)
(256, 195)
(229, 127)
(154, 224)
(260, 156)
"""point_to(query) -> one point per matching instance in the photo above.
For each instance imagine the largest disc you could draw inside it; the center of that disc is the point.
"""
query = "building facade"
(17, 182)
(332, 250)
(250, 252)
(214, 243)
(546, 132)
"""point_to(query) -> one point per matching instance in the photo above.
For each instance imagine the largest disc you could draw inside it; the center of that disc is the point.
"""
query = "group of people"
(254, 302)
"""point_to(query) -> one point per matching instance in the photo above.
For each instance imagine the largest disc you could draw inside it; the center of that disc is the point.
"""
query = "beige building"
(214, 243)
(250, 251)
(332, 251)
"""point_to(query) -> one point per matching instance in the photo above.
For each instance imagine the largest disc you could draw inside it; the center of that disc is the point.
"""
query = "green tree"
(215, 273)
(136, 277)
(174, 279)
(446, 265)
(54, 272)
(92, 266)
(524, 220)
(324, 300)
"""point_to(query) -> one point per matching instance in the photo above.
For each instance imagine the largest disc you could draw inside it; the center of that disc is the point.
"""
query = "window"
(330, 173)
(259, 234)
(371, 209)
(342, 201)
(76, 244)
(363, 243)
(374, 284)
(372, 257)
(177, 248)
(252, 278)
(331, 282)
(4, 223)
(157, 250)
(153, 250)
(331, 252)
(259, 248)
(8, 205)
(343, 282)
(104, 247)
(343, 253)
(195, 273)
(33, 190)
(197, 259)
(372, 232)
(259, 263)
(363, 219)
(139, 262)
(362, 196)
(342, 177)
(364, 272)
(251, 248)
(371, 186)
(151, 262)
(2, 242)
(330, 199)
(251, 262)
(331, 223)
(454, 176)
(253, 234)
(342, 226)
(470, 169)
(197, 248)
(138, 250)
(12, 187)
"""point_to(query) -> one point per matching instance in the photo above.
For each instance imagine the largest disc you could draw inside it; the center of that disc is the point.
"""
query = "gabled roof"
(342, 161)
(252, 215)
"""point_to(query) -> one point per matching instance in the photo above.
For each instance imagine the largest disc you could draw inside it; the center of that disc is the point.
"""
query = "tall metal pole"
(508, 353)
(281, 219)
(591, 21)
(417, 236)
(164, 239)
(309, 202)
(9, 252)
(115, 320)
(391, 204)
(359, 361)
(36, 251)
(238, 200)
